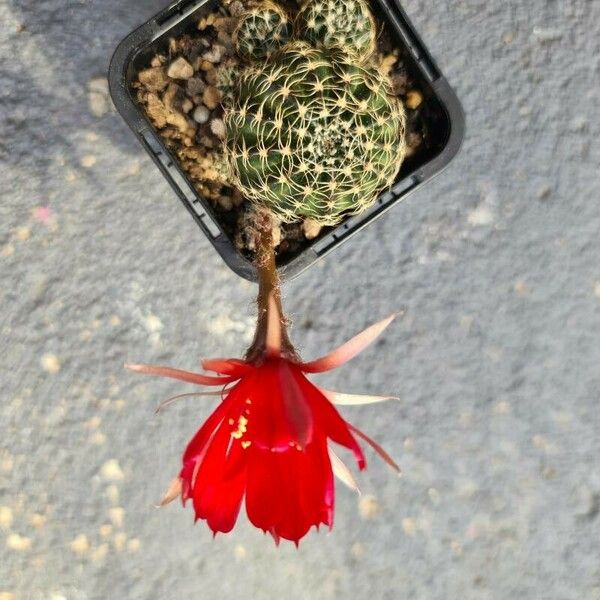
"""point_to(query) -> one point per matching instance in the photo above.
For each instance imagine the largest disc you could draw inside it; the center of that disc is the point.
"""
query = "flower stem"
(271, 337)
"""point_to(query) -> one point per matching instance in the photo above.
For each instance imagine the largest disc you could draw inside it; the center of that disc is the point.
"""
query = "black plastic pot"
(445, 125)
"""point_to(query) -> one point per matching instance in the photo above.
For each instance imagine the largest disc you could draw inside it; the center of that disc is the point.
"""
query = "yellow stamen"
(241, 428)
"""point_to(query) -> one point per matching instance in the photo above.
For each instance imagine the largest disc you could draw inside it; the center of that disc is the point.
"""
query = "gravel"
(201, 114)
(180, 69)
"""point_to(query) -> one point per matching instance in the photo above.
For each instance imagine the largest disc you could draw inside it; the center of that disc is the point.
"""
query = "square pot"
(444, 120)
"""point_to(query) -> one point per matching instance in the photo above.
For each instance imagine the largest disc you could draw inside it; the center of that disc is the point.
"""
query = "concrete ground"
(496, 360)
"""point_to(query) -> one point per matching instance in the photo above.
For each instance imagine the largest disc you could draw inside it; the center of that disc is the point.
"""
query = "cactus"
(312, 132)
(261, 31)
(228, 75)
(347, 24)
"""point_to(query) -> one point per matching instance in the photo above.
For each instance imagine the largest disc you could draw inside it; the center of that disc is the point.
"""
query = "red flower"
(269, 438)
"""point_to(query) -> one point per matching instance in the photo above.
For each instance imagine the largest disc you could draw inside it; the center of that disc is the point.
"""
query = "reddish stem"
(271, 337)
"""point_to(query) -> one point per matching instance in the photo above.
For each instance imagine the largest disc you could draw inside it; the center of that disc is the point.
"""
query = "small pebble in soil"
(236, 8)
(413, 142)
(203, 65)
(195, 86)
(206, 21)
(215, 54)
(187, 105)
(211, 76)
(154, 79)
(399, 82)
(173, 97)
(225, 203)
(387, 63)
(414, 99)
(180, 121)
(201, 114)
(226, 24)
(206, 141)
(180, 69)
(156, 110)
(211, 97)
(311, 229)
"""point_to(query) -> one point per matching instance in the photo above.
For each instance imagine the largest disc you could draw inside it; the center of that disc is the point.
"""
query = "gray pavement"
(496, 360)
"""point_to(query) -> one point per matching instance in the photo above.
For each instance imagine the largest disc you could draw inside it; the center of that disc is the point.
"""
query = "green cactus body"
(261, 31)
(347, 24)
(311, 133)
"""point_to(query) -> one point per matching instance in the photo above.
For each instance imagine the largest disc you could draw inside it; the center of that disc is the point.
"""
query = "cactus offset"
(347, 24)
(313, 132)
(261, 31)
(228, 74)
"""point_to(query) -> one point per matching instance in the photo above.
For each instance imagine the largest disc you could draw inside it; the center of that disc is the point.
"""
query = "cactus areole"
(313, 130)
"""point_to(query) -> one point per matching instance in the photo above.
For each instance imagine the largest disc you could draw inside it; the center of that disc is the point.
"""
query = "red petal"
(179, 374)
(275, 537)
(262, 489)
(301, 493)
(199, 441)
(227, 366)
(349, 350)
(297, 409)
(328, 492)
(330, 421)
(289, 492)
(323, 495)
(305, 491)
(279, 416)
(382, 453)
(227, 505)
(266, 423)
(219, 484)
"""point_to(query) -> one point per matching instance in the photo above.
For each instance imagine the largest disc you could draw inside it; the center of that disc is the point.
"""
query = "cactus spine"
(261, 31)
(313, 132)
(347, 24)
